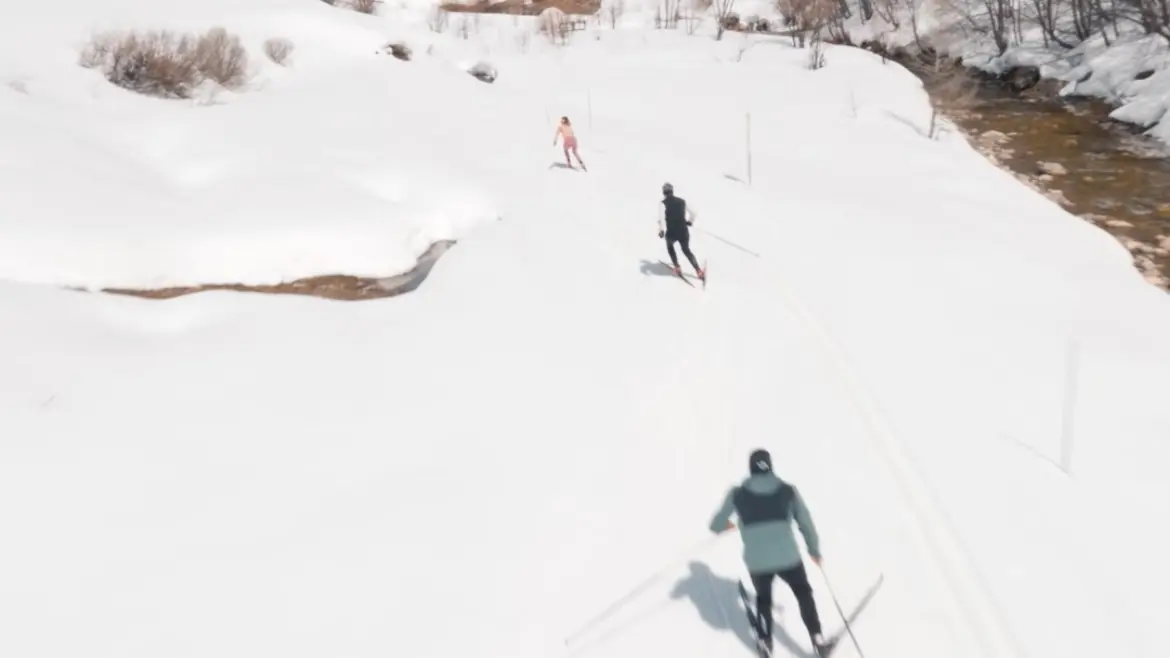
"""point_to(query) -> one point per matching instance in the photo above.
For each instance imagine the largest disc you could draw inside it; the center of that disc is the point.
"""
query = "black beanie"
(760, 462)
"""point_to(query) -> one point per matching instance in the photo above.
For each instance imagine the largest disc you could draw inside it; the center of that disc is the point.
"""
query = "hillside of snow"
(545, 427)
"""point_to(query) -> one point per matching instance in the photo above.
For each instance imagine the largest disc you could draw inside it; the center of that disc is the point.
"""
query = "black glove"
(661, 234)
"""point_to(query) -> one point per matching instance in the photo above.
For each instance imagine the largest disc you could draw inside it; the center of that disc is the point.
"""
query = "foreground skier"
(766, 507)
(677, 217)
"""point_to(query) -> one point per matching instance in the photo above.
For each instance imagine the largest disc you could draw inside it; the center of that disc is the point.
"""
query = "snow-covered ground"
(486, 464)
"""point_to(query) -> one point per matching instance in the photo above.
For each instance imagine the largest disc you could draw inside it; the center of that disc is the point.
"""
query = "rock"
(1044, 178)
(1144, 74)
(484, 72)
(1051, 168)
(1058, 197)
(993, 137)
(398, 49)
(1021, 78)
(1164, 242)
(1118, 223)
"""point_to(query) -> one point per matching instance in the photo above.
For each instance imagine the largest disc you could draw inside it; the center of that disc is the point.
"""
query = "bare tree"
(614, 10)
(666, 14)
(437, 19)
(807, 16)
(723, 10)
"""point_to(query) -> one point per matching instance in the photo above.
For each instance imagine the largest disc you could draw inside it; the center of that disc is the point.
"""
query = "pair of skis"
(685, 278)
(754, 622)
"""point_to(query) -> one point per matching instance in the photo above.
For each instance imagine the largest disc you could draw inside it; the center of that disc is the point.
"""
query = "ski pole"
(617, 605)
(840, 611)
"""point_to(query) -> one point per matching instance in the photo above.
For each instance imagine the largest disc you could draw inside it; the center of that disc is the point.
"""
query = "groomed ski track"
(919, 556)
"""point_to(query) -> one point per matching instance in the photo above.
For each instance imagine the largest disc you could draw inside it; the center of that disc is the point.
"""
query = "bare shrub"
(364, 6)
(816, 51)
(221, 57)
(438, 19)
(161, 63)
(278, 49)
(553, 23)
(805, 16)
(890, 11)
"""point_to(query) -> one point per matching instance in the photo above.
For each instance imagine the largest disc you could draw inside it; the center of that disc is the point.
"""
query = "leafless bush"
(890, 11)
(614, 10)
(364, 6)
(278, 49)
(816, 51)
(553, 23)
(806, 16)
(438, 19)
(161, 63)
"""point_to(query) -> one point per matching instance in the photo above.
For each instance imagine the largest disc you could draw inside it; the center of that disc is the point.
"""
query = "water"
(1101, 170)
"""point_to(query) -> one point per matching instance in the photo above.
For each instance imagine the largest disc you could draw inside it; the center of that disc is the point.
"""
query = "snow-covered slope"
(488, 463)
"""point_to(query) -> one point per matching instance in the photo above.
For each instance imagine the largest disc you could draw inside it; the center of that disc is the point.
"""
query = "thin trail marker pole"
(1071, 375)
(589, 103)
(748, 117)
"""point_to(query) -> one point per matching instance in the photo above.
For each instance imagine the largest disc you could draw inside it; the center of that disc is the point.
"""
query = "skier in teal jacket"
(767, 506)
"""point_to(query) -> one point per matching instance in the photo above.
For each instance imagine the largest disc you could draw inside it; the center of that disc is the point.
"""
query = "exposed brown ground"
(334, 286)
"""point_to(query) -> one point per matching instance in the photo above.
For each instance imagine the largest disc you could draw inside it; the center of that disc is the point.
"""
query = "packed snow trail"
(547, 421)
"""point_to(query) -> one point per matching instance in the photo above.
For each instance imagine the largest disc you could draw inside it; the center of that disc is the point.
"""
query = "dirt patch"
(335, 286)
(1071, 151)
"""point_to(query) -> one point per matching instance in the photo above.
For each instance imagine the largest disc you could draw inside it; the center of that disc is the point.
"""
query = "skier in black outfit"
(677, 217)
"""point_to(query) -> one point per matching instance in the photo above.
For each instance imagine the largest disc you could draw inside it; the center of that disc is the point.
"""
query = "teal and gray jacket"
(766, 507)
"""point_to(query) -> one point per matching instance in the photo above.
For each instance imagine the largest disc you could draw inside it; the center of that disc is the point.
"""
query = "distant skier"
(569, 139)
(766, 507)
(677, 217)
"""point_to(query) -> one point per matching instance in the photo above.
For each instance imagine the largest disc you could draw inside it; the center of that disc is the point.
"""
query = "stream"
(1102, 170)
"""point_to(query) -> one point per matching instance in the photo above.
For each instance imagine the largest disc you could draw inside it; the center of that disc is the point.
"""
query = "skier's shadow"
(655, 268)
(717, 601)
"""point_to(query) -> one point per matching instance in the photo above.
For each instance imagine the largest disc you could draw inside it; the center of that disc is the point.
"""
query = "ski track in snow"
(546, 425)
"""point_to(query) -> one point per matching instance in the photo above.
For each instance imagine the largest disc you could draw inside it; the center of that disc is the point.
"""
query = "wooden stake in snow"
(748, 117)
(589, 102)
(1071, 375)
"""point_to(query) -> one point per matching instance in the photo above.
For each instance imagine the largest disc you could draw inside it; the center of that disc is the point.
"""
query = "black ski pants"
(683, 239)
(797, 580)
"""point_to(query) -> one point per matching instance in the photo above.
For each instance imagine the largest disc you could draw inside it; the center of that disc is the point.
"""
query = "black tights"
(684, 242)
(797, 580)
